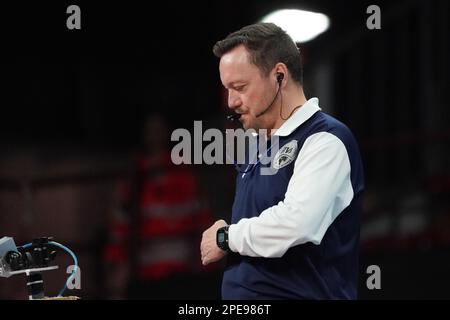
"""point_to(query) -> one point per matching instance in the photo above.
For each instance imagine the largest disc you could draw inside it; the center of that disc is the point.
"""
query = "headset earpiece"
(280, 77)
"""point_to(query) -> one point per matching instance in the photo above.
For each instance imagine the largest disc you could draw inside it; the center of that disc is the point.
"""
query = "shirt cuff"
(231, 242)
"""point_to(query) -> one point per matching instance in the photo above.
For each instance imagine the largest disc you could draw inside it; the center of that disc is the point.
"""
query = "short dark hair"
(268, 45)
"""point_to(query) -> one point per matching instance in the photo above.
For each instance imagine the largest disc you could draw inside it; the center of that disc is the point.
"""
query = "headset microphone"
(233, 117)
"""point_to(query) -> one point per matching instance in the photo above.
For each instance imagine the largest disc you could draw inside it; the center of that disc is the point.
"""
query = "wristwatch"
(222, 238)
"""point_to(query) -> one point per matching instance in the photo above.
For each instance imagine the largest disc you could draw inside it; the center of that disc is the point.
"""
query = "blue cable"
(75, 260)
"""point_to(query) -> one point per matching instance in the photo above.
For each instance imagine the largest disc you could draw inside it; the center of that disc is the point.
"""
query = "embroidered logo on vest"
(285, 155)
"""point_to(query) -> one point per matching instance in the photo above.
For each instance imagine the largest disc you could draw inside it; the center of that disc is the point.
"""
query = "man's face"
(249, 92)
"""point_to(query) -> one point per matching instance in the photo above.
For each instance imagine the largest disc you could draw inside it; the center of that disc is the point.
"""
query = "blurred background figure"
(155, 231)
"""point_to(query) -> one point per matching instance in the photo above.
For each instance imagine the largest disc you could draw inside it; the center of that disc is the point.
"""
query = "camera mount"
(31, 259)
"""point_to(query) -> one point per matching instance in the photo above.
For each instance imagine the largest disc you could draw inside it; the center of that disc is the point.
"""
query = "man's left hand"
(209, 250)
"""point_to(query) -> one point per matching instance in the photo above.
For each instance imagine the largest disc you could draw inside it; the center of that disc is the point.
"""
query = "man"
(294, 234)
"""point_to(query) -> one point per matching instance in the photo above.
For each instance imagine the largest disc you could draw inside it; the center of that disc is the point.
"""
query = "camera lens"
(15, 261)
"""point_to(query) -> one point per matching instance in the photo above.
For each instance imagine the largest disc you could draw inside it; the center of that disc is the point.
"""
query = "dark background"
(72, 104)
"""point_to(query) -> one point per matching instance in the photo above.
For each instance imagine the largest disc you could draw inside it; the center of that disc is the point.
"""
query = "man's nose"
(233, 100)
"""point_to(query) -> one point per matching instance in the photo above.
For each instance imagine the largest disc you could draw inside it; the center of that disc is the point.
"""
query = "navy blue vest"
(306, 271)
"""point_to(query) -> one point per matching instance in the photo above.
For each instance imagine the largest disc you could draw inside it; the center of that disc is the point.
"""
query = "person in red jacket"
(153, 248)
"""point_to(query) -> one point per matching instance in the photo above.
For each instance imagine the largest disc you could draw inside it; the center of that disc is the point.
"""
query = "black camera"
(37, 255)
(31, 259)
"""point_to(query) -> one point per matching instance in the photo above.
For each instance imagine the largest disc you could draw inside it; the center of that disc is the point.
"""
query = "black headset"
(280, 77)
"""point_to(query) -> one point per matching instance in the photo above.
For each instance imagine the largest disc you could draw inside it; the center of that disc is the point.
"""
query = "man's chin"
(246, 125)
(244, 122)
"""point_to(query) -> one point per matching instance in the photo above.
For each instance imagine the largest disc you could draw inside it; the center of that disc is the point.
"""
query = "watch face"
(222, 238)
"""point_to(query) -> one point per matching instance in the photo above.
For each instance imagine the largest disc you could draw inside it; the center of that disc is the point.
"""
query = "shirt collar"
(300, 116)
